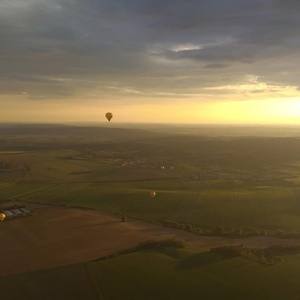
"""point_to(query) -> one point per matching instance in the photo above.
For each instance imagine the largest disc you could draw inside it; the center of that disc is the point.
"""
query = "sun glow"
(283, 107)
(279, 111)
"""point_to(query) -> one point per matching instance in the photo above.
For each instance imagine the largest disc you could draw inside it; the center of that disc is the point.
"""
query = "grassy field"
(268, 208)
(233, 182)
(132, 276)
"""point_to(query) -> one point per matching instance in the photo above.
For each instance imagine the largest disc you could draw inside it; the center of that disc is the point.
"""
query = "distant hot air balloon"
(109, 116)
(153, 194)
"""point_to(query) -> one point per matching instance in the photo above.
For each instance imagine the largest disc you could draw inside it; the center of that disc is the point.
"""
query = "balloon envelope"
(109, 116)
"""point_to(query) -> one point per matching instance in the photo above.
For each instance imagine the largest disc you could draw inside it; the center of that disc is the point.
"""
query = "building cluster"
(13, 212)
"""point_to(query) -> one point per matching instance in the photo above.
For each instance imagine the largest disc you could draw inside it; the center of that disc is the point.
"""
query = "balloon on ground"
(153, 194)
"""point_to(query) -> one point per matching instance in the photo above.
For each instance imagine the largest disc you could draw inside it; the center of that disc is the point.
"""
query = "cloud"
(254, 85)
(66, 48)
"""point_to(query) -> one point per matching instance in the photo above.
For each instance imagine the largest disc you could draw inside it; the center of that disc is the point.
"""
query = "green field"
(155, 275)
(232, 182)
(274, 208)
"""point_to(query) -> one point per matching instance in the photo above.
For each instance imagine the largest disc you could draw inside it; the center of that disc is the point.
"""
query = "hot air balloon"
(109, 116)
(153, 194)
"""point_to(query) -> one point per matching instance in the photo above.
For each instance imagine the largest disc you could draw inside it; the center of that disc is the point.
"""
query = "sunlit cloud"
(186, 47)
(256, 86)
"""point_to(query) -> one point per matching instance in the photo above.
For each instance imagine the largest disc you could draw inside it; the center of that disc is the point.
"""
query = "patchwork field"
(211, 191)
(53, 237)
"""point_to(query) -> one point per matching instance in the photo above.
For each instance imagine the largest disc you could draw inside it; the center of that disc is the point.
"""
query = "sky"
(170, 61)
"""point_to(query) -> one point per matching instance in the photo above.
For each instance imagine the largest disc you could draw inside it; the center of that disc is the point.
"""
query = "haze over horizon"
(205, 62)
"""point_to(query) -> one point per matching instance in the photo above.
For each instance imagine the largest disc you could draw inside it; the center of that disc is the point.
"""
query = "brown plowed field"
(55, 236)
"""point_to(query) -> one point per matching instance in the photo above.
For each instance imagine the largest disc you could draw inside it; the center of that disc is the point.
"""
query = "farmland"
(214, 188)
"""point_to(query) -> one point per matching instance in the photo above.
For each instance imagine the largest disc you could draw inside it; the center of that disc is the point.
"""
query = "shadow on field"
(201, 260)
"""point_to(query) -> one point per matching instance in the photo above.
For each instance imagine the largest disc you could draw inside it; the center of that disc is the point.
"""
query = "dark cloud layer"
(61, 48)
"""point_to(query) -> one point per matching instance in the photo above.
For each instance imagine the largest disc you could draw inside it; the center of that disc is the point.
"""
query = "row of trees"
(230, 232)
